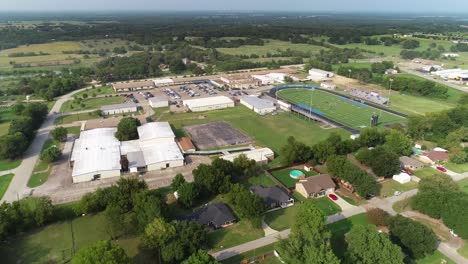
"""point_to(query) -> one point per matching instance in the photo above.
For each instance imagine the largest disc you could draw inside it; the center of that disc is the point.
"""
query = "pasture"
(271, 46)
(338, 108)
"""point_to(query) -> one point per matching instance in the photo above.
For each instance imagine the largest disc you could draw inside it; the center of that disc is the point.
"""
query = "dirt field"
(215, 135)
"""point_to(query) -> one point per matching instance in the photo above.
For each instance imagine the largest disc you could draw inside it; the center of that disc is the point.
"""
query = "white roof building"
(259, 155)
(271, 78)
(156, 131)
(318, 75)
(164, 81)
(157, 101)
(208, 103)
(402, 178)
(127, 107)
(258, 105)
(96, 154)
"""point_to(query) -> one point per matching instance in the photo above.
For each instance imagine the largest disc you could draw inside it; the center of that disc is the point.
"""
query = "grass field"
(263, 180)
(464, 250)
(9, 164)
(92, 103)
(338, 108)
(426, 172)
(4, 182)
(270, 131)
(42, 169)
(234, 235)
(389, 187)
(458, 168)
(284, 178)
(57, 242)
(6, 115)
(77, 117)
(97, 91)
(463, 185)
(271, 46)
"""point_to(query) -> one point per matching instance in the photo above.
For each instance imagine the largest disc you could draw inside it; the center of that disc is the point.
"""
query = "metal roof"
(96, 150)
(256, 154)
(257, 102)
(118, 106)
(155, 130)
(157, 99)
(134, 84)
(207, 101)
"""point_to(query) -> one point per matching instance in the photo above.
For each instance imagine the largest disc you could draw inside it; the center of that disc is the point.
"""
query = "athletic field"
(337, 108)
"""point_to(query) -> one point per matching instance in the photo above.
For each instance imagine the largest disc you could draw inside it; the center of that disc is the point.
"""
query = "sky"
(405, 6)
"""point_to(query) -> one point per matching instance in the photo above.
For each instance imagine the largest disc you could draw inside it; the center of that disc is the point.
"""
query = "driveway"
(342, 203)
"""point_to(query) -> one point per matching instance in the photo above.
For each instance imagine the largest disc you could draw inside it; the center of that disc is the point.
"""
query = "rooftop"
(215, 100)
(157, 99)
(154, 130)
(257, 102)
(216, 213)
(256, 154)
(118, 106)
(273, 194)
(317, 183)
(126, 85)
(186, 144)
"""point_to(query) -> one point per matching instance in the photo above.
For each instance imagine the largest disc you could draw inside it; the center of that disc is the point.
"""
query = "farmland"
(272, 47)
(338, 108)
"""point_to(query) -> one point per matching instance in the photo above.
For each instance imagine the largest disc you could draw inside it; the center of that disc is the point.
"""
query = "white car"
(397, 193)
(453, 233)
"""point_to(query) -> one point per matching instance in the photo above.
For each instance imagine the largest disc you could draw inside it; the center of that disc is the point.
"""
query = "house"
(315, 186)
(391, 71)
(273, 196)
(216, 215)
(402, 178)
(433, 157)
(410, 163)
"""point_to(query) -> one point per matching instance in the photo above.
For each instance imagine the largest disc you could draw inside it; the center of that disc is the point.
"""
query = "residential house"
(410, 163)
(315, 186)
(273, 196)
(216, 215)
(433, 157)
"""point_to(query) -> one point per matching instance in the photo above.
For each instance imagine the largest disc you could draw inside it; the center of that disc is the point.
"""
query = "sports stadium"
(336, 109)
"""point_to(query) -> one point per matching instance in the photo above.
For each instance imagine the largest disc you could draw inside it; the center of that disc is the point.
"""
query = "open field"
(76, 117)
(338, 108)
(91, 92)
(56, 243)
(262, 179)
(389, 187)
(458, 168)
(435, 258)
(271, 46)
(4, 182)
(89, 104)
(270, 131)
(284, 178)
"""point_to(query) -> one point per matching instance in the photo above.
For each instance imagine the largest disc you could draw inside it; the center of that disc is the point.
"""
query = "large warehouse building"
(114, 109)
(258, 105)
(132, 86)
(208, 103)
(318, 75)
(156, 102)
(97, 153)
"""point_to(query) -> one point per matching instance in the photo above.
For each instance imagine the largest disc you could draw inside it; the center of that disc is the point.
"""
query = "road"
(431, 78)
(18, 186)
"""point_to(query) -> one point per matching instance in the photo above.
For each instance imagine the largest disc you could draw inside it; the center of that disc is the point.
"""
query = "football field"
(337, 108)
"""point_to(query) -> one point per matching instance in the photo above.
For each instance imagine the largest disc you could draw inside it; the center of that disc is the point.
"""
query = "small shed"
(402, 178)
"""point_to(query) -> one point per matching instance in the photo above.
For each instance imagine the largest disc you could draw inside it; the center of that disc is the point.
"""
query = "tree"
(59, 134)
(371, 137)
(200, 257)
(24, 125)
(244, 167)
(410, 44)
(177, 181)
(127, 129)
(210, 180)
(377, 216)
(416, 239)
(384, 163)
(309, 240)
(37, 112)
(13, 145)
(101, 252)
(126, 190)
(147, 206)
(18, 108)
(248, 205)
(367, 246)
(158, 233)
(295, 151)
(398, 142)
(51, 154)
(188, 194)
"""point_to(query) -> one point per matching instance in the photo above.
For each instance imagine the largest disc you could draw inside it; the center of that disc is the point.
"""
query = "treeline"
(26, 54)
(28, 118)
(441, 198)
(326, 58)
(222, 43)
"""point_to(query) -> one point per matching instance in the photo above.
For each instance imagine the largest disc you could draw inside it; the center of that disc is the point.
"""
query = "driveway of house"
(342, 203)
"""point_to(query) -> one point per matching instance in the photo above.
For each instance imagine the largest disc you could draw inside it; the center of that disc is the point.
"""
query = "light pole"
(349, 70)
(389, 90)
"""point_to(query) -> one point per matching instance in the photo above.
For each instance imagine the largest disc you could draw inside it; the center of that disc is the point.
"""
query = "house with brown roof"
(410, 163)
(315, 186)
(133, 85)
(186, 144)
(433, 157)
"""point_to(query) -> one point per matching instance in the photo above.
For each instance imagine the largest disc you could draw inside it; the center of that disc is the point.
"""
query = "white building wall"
(264, 111)
(211, 107)
(162, 165)
(90, 176)
(120, 111)
(159, 104)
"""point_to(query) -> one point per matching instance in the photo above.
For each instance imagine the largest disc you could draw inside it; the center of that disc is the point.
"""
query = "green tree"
(295, 151)
(127, 129)
(188, 194)
(158, 233)
(244, 167)
(147, 206)
(248, 205)
(399, 143)
(371, 137)
(309, 240)
(18, 108)
(177, 181)
(367, 246)
(200, 257)
(102, 252)
(59, 134)
(384, 163)
(416, 239)
(51, 154)
(13, 145)
(24, 125)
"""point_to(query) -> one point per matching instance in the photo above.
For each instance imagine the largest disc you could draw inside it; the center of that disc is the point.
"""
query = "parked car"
(442, 169)
(407, 171)
(333, 197)
(397, 193)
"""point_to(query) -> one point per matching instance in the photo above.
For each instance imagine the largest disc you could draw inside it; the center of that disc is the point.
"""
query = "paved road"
(18, 186)
(431, 78)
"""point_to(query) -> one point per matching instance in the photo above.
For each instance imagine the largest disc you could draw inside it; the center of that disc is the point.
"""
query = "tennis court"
(337, 108)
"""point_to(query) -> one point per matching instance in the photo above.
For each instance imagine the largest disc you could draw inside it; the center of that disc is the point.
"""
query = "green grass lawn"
(77, 117)
(263, 180)
(463, 185)
(92, 103)
(42, 169)
(283, 176)
(338, 108)
(410, 104)
(270, 131)
(271, 46)
(6, 115)
(389, 187)
(426, 172)
(464, 250)
(257, 252)
(55, 243)
(74, 130)
(100, 90)
(436, 258)
(4, 182)
(9, 164)
(458, 168)
(284, 218)
(234, 235)
(403, 205)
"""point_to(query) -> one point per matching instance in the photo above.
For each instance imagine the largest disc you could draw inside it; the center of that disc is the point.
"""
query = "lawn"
(234, 235)
(257, 252)
(403, 205)
(389, 187)
(270, 131)
(426, 172)
(411, 104)
(4, 182)
(271, 46)
(463, 185)
(458, 168)
(284, 178)
(436, 258)
(338, 108)
(74, 130)
(6, 115)
(77, 117)
(104, 90)
(284, 218)
(9, 164)
(42, 169)
(55, 243)
(92, 103)
(464, 250)
(263, 180)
